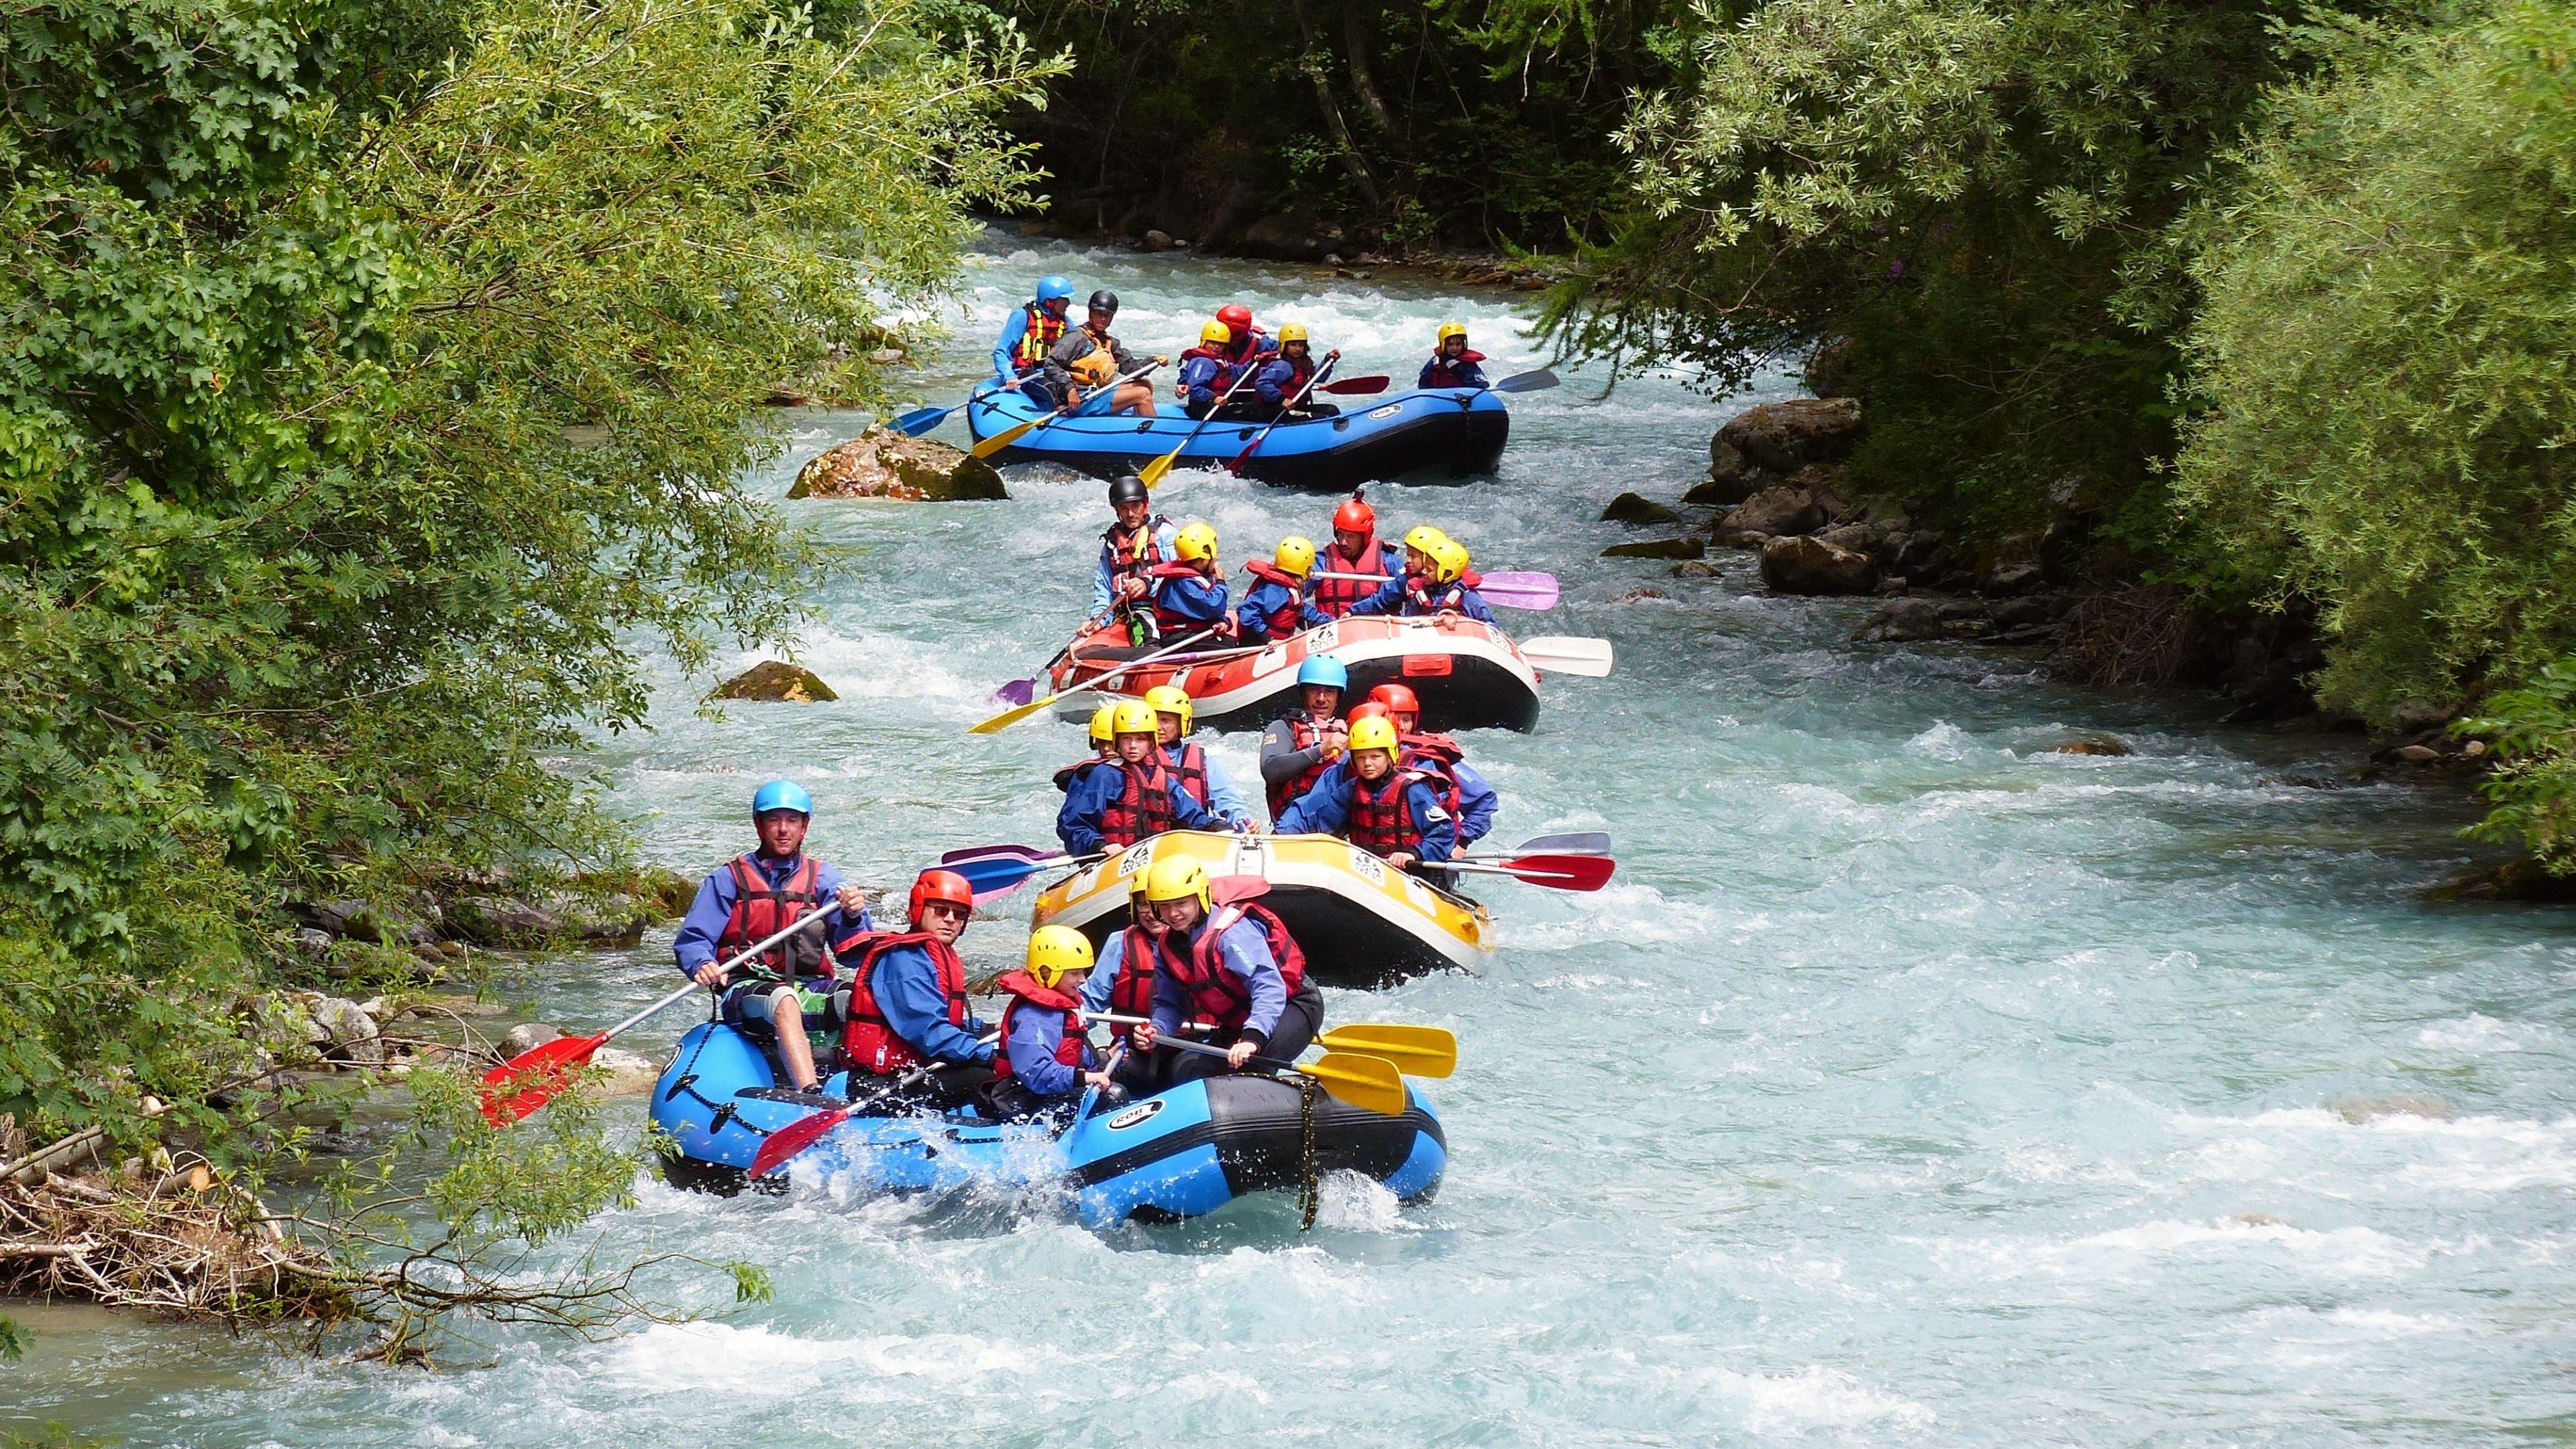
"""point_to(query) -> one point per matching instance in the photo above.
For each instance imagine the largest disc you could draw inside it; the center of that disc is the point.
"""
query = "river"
(1911, 1083)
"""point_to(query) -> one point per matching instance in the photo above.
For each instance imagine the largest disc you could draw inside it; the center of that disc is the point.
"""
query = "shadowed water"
(1911, 1084)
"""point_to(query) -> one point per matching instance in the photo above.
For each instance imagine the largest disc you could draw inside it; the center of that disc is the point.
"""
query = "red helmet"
(1236, 317)
(940, 885)
(1371, 709)
(1396, 697)
(1355, 517)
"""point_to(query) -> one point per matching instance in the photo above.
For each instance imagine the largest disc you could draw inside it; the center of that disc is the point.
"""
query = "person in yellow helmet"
(1137, 799)
(1104, 750)
(1369, 799)
(1436, 580)
(1189, 593)
(1276, 606)
(1207, 372)
(1282, 387)
(1046, 1056)
(1198, 772)
(1232, 969)
(1453, 363)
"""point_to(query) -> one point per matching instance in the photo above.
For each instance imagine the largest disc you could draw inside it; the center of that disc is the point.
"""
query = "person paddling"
(1196, 770)
(1189, 593)
(1234, 966)
(1463, 789)
(1206, 375)
(1298, 747)
(1371, 802)
(1089, 357)
(1276, 607)
(1354, 550)
(1453, 363)
(909, 1019)
(1245, 345)
(755, 896)
(1031, 331)
(1434, 581)
(1284, 377)
(1045, 1057)
(1139, 799)
(1134, 543)
(1122, 984)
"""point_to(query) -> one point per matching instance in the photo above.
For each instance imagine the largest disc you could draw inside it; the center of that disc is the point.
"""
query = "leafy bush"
(2533, 789)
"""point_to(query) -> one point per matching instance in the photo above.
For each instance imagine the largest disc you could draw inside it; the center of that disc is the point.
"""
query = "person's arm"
(1477, 803)
(1246, 952)
(1170, 1004)
(1120, 357)
(1425, 379)
(1197, 599)
(1312, 617)
(1104, 973)
(695, 946)
(1103, 583)
(1077, 823)
(1388, 599)
(1223, 797)
(1439, 832)
(1472, 604)
(1280, 758)
(1014, 327)
(1272, 384)
(1473, 374)
(1058, 367)
(1252, 616)
(1324, 809)
(1189, 814)
(907, 991)
(1032, 1045)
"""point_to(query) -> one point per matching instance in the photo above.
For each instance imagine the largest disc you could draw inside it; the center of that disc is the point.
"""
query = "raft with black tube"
(1177, 1154)
(1427, 431)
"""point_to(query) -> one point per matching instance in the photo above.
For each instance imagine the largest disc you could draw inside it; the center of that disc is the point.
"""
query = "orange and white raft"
(1468, 675)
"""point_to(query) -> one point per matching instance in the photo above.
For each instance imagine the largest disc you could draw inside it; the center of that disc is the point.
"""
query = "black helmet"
(1127, 489)
(1105, 300)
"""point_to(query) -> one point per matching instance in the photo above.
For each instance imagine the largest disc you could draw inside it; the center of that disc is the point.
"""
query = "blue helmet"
(1054, 288)
(781, 795)
(1324, 669)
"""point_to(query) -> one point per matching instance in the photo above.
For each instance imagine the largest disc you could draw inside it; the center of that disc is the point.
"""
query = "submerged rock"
(880, 463)
(1813, 566)
(526, 1037)
(1657, 548)
(773, 682)
(625, 1072)
(1639, 509)
(2092, 745)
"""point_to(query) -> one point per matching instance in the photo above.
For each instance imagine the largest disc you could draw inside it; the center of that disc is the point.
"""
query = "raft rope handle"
(1309, 1184)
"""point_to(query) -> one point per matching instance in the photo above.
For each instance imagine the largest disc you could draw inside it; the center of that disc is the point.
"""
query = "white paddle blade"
(1564, 654)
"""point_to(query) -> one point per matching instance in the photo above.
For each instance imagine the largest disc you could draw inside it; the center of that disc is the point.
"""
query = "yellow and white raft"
(1361, 921)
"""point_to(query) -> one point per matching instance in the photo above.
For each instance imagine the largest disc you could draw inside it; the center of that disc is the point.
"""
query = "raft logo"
(1133, 1115)
(1381, 414)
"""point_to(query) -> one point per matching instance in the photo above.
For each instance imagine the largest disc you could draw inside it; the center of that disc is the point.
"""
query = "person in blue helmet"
(1276, 606)
(1434, 580)
(1297, 748)
(1369, 800)
(1031, 331)
(774, 997)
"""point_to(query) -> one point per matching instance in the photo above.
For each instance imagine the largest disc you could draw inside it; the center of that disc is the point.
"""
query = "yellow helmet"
(1174, 877)
(1194, 542)
(1133, 717)
(1424, 537)
(1296, 555)
(1101, 733)
(1216, 332)
(1292, 332)
(1172, 699)
(1373, 733)
(1055, 952)
(1449, 560)
(1451, 329)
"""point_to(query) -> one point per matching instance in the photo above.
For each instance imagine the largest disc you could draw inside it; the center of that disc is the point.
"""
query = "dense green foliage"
(374, 379)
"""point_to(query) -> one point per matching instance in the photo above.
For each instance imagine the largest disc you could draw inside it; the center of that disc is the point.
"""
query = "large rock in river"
(880, 463)
(773, 682)
(1771, 513)
(1784, 437)
(1813, 566)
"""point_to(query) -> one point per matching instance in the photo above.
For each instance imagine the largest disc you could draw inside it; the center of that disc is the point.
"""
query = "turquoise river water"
(1911, 1084)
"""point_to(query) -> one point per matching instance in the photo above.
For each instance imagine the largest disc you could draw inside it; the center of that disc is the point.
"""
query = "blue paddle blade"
(995, 874)
(920, 420)
(989, 852)
(1018, 691)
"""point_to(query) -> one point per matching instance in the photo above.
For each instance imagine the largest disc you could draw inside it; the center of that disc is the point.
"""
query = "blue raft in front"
(1176, 1154)
(1448, 430)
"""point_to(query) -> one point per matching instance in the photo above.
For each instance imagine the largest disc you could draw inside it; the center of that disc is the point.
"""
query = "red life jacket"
(1143, 807)
(1444, 372)
(1170, 624)
(1036, 340)
(1435, 757)
(1303, 732)
(1024, 990)
(1224, 376)
(1422, 596)
(1065, 777)
(1132, 994)
(1241, 352)
(1382, 819)
(1216, 993)
(869, 1042)
(1190, 770)
(760, 912)
(1335, 596)
(1289, 617)
(1133, 553)
(1299, 370)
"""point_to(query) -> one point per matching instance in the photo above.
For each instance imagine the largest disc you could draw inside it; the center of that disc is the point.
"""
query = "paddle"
(1564, 654)
(1539, 381)
(1022, 852)
(1579, 842)
(1358, 386)
(1417, 1051)
(1235, 464)
(1510, 588)
(1010, 435)
(1369, 1083)
(1154, 471)
(1017, 713)
(804, 1132)
(922, 419)
(999, 875)
(1556, 872)
(538, 1075)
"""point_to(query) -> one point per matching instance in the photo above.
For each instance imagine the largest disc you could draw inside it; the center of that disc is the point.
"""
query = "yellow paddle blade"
(1371, 1084)
(1013, 715)
(1417, 1051)
(1154, 471)
(1005, 438)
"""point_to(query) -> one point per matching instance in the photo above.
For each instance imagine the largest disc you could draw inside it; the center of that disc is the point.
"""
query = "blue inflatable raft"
(1174, 1155)
(1453, 431)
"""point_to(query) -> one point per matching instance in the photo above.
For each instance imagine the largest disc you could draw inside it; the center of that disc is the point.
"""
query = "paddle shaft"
(1153, 472)
(801, 922)
(1092, 685)
(1285, 409)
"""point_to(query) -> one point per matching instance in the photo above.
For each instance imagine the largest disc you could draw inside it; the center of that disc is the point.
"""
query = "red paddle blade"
(1356, 386)
(793, 1138)
(535, 1077)
(1562, 872)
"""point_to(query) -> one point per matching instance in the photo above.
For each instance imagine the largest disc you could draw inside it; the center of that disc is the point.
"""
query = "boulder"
(348, 1033)
(1813, 566)
(1784, 437)
(1694, 571)
(1772, 512)
(526, 1037)
(1638, 509)
(2515, 880)
(2015, 567)
(2092, 745)
(511, 922)
(1657, 548)
(1914, 621)
(625, 1073)
(773, 682)
(1821, 480)
(1292, 238)
(1156, 240)
(1633, 595)
(1728, 466)
(883, 464)
(1719, 492)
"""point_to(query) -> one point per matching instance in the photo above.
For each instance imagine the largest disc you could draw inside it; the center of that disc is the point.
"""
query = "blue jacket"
(1104, 972)
(1396, 596)
(1194, 597)
(1204, 379)
(1035, 1034)
(1326, 810)
(695, 946)
(1224, 801)
(1015, 325)
(1252, 616)
(1245, 951)
(1477, 803)
(1101, 575)
(1466, 370)
(906, 986)
(1078, 823)
(1277, 382)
